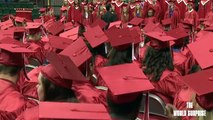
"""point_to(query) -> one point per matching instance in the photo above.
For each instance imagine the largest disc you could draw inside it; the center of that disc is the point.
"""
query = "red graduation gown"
(100, 62)
(118, 8)
(182, 97)
(30, 114)
(40, 52)
(11, 101)
(204, 8)
(209, 19)
(168, 85)
(175, 18)
(27, 87)
(192, 16)
(86, 93)
(179, 61)
(75, 13)
(182, 7)
(157, 9)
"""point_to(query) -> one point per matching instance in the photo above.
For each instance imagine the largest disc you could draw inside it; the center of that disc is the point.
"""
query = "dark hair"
(53, 92)
(120, 56)
(194, 69)
(81, 29)
(11, 70)
(156, 61)
(126, 111)
(108, 6)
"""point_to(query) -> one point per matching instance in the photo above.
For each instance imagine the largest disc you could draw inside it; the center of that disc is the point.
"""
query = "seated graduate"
(172, 13)
(158, 66)
(34, 39)
(19, 21)
(125, 88)
(119, 53)
(52, 87)
(194, 83)
(199, 95)
(12, 102)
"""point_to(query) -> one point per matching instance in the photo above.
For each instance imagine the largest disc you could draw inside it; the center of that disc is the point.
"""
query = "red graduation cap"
(42, 10)
(177, 33)
(37, 20)
(161, 36)
(125, 80)
(203, 52)
(33, 27)
(63, 9)
(72, 111)
(188, 22)
(68, 26)
(77, 52)
(11, 52)
(135, 34)
(116, 23)
(95, 36)
(202, 82)
(209, 28)
(19, 29)
(70, 34)
(6, 33)
(48, 23)
(150, 26)
(119, 38)
(167, 21)
(65, 67)
(59, 42)
(19, 19)
(55, 28)
(99, 22)
(136, 21)
(6, 24)
(50, 73)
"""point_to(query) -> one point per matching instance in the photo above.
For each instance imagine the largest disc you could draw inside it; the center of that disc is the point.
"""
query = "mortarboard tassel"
(133, 52)
(25, 71)
(105, 47)
(24, 36)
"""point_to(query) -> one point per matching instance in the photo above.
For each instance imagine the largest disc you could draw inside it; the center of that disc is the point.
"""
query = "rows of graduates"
(104, 69)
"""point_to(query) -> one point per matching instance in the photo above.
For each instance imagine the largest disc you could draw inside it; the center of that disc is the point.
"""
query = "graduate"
(76, 12)
(157, 8)
(12, 65)
(209, 17)
(110, 15)
(34, 39)
(173, 14)
(163, 75)
(200, 98)
(86, 15)
(64, 15)
(118, 7)
(125, 15)
(191, 17)
(124, 103)
(204, 7)
(138, 10)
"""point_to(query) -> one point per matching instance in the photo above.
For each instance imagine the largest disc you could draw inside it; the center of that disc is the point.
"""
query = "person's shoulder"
(167, 74)
(29, 114)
